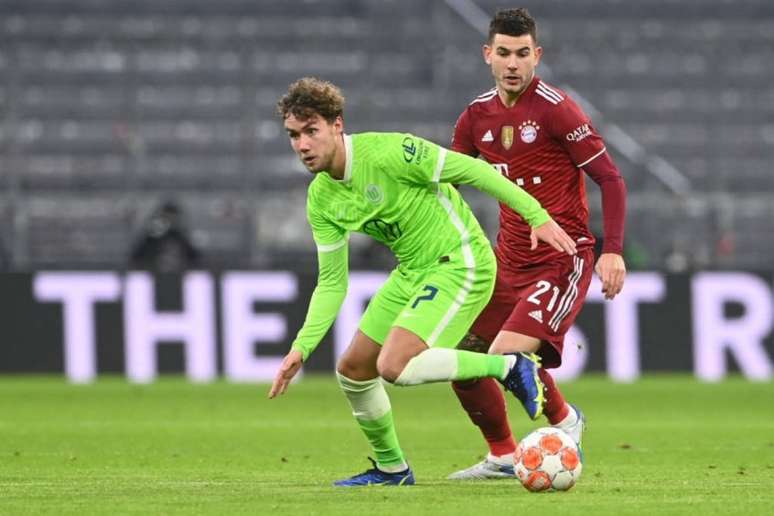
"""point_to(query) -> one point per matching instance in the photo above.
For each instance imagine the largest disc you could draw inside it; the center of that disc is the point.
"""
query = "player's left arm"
(573, 130)
(610, 267)
(428, 163)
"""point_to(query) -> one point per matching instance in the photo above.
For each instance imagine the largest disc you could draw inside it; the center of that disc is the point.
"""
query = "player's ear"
(487, 52)
(338, 125)
(538, 55)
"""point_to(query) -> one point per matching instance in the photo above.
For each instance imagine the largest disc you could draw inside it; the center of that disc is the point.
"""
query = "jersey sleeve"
(572, 129)
(424, 163)
(457, 168)
(604, 172)
(327, 235)
(331, 289)
(462, 140)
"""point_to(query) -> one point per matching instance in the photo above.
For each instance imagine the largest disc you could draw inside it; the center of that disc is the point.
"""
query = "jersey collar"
(527, 92)
(347, 161)
(348, 158)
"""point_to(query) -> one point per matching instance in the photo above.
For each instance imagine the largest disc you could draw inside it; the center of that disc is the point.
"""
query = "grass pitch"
(664, 445)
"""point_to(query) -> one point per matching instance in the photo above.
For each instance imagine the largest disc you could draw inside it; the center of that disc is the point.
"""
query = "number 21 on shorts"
(541, 287)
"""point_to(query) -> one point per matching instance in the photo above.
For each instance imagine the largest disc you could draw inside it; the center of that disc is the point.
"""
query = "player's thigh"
(386, 304)
(549, 302)
(401, 346)
(488, 323)
(447, 302)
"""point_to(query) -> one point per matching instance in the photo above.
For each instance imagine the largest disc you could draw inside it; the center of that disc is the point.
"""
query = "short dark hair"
(309, 96)
(512, 22)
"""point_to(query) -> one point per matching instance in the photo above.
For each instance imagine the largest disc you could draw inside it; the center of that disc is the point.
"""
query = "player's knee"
(349, 369)
(389, 369)
(472, 342)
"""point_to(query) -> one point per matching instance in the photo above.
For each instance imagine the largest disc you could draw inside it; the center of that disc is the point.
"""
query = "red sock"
(484, 402)
(555, 408)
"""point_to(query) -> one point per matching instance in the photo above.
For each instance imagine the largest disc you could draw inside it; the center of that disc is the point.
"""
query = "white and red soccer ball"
(547, 459)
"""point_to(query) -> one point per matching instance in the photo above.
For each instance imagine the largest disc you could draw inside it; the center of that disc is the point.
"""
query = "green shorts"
(439, 303)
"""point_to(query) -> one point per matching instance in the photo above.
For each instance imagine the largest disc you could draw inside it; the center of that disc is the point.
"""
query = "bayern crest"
(528, 130)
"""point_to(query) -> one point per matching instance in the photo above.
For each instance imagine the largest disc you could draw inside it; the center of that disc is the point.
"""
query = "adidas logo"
(488, 136)
(537, 315)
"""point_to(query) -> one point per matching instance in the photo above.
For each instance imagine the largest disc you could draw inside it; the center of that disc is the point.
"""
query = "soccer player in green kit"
(397, 188)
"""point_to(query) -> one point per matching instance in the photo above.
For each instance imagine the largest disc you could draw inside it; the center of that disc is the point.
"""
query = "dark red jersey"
(542, 144)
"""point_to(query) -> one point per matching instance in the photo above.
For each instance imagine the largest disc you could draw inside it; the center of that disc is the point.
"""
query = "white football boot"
(575, 428)
(490, 468)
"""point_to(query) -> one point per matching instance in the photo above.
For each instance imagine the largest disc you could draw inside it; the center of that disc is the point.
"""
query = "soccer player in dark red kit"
(539, 138)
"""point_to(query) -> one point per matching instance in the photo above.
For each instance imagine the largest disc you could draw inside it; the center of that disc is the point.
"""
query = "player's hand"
(612, 271)
(290, 366)
(550, 233)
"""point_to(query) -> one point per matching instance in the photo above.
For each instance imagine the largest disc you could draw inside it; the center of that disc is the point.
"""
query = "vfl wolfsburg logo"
(374, 194)
(409, 149)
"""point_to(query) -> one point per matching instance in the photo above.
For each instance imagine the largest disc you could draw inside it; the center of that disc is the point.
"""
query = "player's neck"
(339, 164)
(510, 99)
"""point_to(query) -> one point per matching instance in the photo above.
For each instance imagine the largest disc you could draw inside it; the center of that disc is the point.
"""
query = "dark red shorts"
(541, 302)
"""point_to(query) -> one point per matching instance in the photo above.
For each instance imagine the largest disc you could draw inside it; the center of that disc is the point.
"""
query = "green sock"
(443, 365)
(372, 411)
(472, 365)
(384, 442)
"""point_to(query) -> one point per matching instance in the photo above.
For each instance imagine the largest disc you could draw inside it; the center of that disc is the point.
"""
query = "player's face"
(314, 140)
(513, 60)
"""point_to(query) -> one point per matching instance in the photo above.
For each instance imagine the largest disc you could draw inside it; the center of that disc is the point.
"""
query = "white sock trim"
(510, 361)
(367, 398)
(503, 460)
(570, 419)
(392, 469)
(432, 365)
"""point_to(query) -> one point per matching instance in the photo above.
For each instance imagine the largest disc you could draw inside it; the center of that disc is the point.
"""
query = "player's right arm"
(462, 139)
(332, 256)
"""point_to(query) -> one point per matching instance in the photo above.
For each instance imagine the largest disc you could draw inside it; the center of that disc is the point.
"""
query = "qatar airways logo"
(579, 133)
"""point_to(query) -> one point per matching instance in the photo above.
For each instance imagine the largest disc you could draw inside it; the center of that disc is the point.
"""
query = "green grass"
(662, 445)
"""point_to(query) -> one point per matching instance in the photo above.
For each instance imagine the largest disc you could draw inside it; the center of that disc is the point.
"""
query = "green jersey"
(398, 189)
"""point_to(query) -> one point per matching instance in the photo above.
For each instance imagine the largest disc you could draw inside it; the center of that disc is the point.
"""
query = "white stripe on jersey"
(545, 96)
(327, 248)
(439, 165)
(485, 96)
(592, 158)
(548, 89)
(549, 94)
(487, 93)
(470, 272)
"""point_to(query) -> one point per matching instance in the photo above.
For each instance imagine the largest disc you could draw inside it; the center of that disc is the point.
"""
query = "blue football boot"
(523, 381)
(377, 477)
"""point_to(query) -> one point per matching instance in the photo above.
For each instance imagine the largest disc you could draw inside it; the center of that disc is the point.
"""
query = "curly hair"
(309, 96)
(512, 22)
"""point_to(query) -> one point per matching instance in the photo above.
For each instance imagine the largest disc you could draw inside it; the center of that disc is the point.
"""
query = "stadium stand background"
(109, 109)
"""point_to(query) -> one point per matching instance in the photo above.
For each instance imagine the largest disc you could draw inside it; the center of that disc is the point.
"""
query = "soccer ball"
(547, 459)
